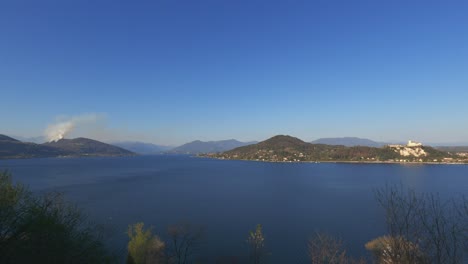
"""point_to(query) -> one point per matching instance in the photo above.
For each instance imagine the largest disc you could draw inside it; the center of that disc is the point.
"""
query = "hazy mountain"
(453, 149)
(88, 147)
(38, 140)
(141, 147)
(11, 148)
(7, 138)
(447, 144)
(348, 142)
(197, 146)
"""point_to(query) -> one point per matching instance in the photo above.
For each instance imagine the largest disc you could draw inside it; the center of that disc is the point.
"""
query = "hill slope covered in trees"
(11, 148)
(287, 148)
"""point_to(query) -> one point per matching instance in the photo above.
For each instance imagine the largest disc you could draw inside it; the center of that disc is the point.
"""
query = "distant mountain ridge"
(454, 149)
(7, 138)
(37, 140)
(11, 148)
(88, 147)
(349, 142)
(142, 147)
(198, 147)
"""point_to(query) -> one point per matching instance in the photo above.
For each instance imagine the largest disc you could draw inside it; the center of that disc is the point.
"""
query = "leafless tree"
(383, 250)
(184, 241)
(422, 228)
(402, 211)
(326, 249)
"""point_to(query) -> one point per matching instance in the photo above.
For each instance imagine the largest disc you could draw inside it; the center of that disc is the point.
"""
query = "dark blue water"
(228, 198)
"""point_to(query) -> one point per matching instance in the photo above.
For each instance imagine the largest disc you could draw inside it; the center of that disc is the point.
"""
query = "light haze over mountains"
(142, 147)
(197, 146)
(349, 142)
(13, 148)
(213, 146)
(170, 72)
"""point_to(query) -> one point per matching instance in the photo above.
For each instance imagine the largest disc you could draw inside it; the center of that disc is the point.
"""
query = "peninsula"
(284, 148)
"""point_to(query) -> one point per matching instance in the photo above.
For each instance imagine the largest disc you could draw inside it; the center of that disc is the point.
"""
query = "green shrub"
(45, 229)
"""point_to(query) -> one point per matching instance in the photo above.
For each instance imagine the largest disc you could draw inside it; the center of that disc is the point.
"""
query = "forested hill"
(7, 138)
(11, 148)
(287, 148)
(88, 147)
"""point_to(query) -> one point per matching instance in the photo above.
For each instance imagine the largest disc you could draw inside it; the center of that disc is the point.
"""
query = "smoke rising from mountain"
(65, 126)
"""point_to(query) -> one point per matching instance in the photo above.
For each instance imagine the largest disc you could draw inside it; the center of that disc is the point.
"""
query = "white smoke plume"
(66, 125)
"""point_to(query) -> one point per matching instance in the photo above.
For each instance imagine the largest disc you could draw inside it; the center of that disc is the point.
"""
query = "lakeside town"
(289, 149)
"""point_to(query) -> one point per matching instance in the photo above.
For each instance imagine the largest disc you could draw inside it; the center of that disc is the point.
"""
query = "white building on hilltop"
(413, 144)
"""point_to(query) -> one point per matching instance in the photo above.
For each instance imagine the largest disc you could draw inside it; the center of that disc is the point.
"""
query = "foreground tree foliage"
(387, 249)
(181, 244)
(422, 228)
(144, 247)
(325, 249)
(45, 229)
(185, 240)
(256, 243)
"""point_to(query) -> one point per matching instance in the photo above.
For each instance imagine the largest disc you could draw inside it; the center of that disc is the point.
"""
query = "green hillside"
(287, 148)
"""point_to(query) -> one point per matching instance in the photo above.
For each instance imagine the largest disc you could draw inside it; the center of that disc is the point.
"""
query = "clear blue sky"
(170, 71)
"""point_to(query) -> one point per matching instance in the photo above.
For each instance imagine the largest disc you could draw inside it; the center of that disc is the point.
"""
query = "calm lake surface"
(228, 198)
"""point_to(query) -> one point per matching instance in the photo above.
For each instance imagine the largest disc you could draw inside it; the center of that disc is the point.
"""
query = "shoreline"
(348, 161)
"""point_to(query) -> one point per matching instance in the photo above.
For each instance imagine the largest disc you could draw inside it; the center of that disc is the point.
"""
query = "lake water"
(228, 198)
